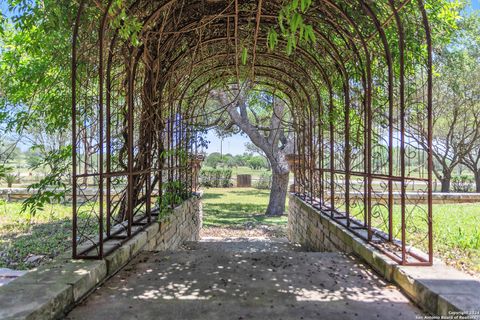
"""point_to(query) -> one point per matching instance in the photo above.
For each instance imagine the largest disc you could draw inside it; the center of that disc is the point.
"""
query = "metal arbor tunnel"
(360, 97)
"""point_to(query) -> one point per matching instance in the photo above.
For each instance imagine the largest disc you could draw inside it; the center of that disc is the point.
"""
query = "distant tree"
(240, 160)
(257, 162)
(232, 162)
(228, 158)
(213, 160)
(35, 82)
(33, 157)
(4, 170)
(456, 105)
(7, 176)
(469, 50)
(256, 150)
(11, 178)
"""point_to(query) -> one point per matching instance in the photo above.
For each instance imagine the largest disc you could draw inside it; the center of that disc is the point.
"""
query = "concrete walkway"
(239, 278)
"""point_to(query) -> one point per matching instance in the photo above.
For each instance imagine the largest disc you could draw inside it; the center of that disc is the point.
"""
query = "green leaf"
(280, 21)
(308, 3)
(272, 39)
(303, 5)
(310, 34)
(244, 55)
(294, 4)
(295, 22)
(289, 48)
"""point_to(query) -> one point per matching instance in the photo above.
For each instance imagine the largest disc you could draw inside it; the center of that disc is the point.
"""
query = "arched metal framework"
(356, 96)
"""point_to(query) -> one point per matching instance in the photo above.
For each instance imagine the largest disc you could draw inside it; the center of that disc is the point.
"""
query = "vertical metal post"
(430, 126)
(332, 157)
(401, 46)
(130, 150)
(74, 129)
(347, 150)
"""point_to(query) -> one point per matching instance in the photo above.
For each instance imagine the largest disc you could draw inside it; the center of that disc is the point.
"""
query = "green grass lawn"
(236, 207)
(456, 230)
(456, 234)
(49, 233)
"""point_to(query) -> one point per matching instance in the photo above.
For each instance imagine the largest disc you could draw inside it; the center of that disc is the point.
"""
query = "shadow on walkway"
(245, 279)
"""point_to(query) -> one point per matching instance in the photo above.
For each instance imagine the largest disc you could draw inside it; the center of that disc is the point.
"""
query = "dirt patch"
(245, 231)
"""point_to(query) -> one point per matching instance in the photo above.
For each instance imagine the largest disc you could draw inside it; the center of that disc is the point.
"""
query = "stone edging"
(438, 290)
(50, 291)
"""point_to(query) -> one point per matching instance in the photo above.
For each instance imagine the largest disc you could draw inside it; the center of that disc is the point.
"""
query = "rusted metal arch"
(286, 86)
(304, 53)
(306, 74)
(209, 24)
(273, 56)
(372, 44)
(224, 54)
(270, 75)
(226, 38)
(368, 11)
(302, 87)
(180, 57)
(312, 83)
(183, 56)
(266, 84)
(224, 66)
(279, 81)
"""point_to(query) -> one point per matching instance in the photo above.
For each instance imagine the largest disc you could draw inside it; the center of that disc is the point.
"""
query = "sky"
(476, 4)
(4, 7)
(233, 145)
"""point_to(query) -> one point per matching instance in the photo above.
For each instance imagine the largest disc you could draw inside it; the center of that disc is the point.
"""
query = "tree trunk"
(477, 181)
(278, 192)
(445, 184)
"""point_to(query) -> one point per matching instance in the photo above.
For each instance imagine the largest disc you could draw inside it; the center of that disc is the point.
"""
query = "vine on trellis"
(293, 27)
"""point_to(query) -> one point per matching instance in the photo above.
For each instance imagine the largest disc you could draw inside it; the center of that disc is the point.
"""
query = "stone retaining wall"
(314, 231)
(439, 290)
(182, 225)
(51, 290)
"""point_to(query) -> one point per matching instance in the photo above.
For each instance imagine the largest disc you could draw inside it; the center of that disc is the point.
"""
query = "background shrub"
(264, 181)
(216, 178)
(462, 184)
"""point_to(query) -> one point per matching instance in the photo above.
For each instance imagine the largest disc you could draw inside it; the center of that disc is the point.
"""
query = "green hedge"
(216, 178)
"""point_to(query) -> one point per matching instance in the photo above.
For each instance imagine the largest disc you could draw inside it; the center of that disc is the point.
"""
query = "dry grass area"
(258, 232)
